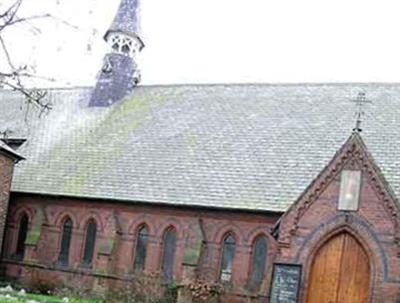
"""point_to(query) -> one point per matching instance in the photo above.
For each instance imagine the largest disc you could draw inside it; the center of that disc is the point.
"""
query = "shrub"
(202, 291)
(144, 289)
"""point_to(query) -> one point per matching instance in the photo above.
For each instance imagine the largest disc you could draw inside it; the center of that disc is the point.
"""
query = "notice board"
(285, 283)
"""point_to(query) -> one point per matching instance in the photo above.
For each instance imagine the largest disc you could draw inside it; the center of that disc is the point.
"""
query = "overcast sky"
(208, 41)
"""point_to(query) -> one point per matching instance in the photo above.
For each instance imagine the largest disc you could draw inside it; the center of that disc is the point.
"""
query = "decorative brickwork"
(314, 219)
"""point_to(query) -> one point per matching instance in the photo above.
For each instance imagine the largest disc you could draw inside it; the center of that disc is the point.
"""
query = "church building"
(229, 192)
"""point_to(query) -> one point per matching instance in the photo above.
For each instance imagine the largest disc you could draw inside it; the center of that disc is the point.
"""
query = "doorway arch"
(339, 272)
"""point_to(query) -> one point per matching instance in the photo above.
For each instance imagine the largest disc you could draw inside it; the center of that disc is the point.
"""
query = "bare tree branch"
(12, 9)
(3, 45)
(19, 20)
(35, 96)
(13, 76)
(10, 14)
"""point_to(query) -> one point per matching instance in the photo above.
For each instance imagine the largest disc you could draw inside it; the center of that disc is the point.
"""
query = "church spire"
(120, 74)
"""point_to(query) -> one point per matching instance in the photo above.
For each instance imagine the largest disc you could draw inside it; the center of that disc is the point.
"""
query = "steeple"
(120, 74)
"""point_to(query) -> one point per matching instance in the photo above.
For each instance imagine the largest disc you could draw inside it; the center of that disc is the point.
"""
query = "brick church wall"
(6, 171)
(119, 222)
(308, 224)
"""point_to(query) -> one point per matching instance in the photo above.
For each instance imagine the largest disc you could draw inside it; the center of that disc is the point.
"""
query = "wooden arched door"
(340, 272)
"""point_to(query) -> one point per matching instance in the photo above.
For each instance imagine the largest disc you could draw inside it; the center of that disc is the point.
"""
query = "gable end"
(352, 155)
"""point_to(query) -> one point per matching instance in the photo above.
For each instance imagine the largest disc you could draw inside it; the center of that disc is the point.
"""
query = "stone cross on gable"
(360, 101)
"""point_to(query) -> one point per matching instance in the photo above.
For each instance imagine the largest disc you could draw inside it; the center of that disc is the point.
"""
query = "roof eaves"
(153, 203)
(8, 151)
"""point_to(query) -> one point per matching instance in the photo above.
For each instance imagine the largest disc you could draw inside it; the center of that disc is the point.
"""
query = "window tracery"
(124, 44)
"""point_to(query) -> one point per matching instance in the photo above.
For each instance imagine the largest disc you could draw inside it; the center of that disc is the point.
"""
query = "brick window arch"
(141, 247)
(169, 248)
(22, 233)
(63, 257)
(227, 256)
(258, 260)
(90, 242)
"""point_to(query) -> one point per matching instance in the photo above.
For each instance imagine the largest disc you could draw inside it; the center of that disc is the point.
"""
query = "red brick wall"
(245, 227)
(315, 218)
(6, 171)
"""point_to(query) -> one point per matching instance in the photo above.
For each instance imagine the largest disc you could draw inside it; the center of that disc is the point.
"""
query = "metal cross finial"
(360, 101)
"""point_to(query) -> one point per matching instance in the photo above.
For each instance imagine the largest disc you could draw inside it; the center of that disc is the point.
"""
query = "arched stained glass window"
(90, 242)
(228, 253)
(141, 248)
(169, 254)
(65, 242)
(259, 258)
(22, 232)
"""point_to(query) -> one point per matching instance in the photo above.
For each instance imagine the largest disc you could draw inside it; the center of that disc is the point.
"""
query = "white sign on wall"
(350, 183)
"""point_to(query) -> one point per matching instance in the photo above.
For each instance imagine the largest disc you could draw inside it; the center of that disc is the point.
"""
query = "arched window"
(89, 243)
(228, 253)
(169, 253)
(22, 232)
(141, 248)
(259, 258)
(65, 242)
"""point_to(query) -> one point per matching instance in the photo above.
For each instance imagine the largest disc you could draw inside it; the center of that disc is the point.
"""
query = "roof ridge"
(262, 84)
(268, 84)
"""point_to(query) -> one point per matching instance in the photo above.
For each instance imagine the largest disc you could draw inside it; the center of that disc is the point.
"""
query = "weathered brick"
(245, 226)
(6, 171)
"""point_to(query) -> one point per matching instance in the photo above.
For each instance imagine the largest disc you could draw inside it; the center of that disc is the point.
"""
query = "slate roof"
(252, 147)
(127, 18)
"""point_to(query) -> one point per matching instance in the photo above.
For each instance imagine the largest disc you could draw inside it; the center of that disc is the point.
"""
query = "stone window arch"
(141, 247)
(66, 235)
(90, 242)
(227, 257)
(258, 260)
(21, 238)
(169, 249)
